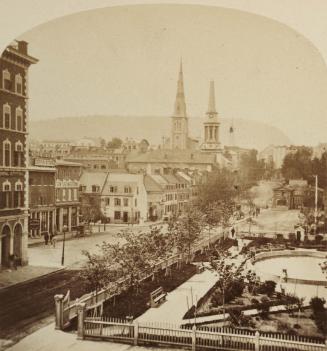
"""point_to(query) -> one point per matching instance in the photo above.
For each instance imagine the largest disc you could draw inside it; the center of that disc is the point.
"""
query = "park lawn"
(282, 322)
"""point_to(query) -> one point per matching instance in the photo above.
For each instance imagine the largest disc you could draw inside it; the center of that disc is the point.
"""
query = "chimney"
(22, 46)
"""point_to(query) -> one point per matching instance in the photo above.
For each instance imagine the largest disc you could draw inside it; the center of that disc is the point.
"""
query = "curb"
(31, 279)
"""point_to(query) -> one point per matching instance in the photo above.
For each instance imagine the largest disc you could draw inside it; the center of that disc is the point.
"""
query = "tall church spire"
(180, 105)
(179, 122)
(211, 124)
(212, 103)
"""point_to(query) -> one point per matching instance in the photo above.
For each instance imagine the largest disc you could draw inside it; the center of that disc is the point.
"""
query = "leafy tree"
(115, 143)
(298, 165)
(97, 272)
(186, 229)
(251, 169)
(219, 187)
(228, 271)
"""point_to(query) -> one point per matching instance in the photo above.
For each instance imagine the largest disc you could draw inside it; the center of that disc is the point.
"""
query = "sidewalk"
(49, 339)
(9, 277)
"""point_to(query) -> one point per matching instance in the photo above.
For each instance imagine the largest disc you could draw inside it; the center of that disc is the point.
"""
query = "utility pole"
(316, 202)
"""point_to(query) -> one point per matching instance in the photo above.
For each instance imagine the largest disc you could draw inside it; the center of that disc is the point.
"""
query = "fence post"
(257, 341)
(136, 332)
(59, 311)
(194, 338)
(81, 309)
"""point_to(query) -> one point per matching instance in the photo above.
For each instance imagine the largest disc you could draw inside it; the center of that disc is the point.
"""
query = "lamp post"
(64, 229)
(316, 202)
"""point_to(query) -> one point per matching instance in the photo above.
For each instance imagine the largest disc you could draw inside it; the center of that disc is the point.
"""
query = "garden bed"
(132, 303)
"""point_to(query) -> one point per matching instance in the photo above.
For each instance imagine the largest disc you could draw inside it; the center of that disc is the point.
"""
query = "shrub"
(268, 287)
(317, 304)
(264, 307)
(318, 238)
(254, 301)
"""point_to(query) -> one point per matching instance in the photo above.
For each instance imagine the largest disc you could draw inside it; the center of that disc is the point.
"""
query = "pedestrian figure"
(46, 238)
(54, 240)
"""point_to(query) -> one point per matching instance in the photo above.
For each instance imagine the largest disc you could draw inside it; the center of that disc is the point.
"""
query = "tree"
(97, 272)
(251, 169)
(298, 165)
(186, 229)
(115, 143)
(220, 186)
(229, 271)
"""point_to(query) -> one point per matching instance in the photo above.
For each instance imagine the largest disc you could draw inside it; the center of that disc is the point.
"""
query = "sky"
(125, 61)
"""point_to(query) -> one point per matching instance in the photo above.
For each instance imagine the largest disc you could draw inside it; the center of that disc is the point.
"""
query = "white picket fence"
(205, 338)
(66, 310)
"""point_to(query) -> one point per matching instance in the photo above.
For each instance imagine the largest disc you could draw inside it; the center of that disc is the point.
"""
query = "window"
(82, 188)
(107, 201)
(6, 81)
(117, 201)
(63, 194)
(6, 153)
(125, 202)
(127, 189)
(6, 116)
(19, 119)
(18, 195)
(113, 189)
(117, 215)
(69, 194)
(18, 84)
(95, 188)
(75, 194)
(135, 202)
(18, 156)
(6, 188)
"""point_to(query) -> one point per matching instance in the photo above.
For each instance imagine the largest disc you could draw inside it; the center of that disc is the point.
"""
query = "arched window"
(19, 119)
(6, 80)
(6, 189)
(6, 116)
(18, 84)
(18, 195)
(18, 156)
(6, 153)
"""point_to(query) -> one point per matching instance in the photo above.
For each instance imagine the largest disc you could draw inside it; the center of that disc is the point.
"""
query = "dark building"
(14, 201)
(42, 182)
(67, 195)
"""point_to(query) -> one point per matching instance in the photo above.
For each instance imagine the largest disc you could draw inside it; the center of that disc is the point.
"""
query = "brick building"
(14, 202)
(67, 195)
(42, 182)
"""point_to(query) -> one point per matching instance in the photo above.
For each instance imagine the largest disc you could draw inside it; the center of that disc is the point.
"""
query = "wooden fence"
(153, 334)
(65, 310)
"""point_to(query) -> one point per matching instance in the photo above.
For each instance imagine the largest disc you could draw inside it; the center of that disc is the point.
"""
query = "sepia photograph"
(163, 175)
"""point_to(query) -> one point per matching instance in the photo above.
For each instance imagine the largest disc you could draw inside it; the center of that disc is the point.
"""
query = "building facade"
(67, 195)
(42, 210)
(14, 201)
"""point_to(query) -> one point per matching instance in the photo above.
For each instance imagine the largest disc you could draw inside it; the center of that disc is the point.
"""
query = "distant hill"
(247, 133)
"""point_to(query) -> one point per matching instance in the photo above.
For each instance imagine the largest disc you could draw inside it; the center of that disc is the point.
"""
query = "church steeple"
(212, 113)
(211, 124)
(179, 126)
(180, 105)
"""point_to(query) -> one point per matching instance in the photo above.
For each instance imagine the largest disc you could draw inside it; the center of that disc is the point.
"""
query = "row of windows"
(124, 215)
(15, 84)
(8, 122)
(6, 186)
(118, 202)
(11, 199)
(112, 189)
(66, 195)
(12, 158)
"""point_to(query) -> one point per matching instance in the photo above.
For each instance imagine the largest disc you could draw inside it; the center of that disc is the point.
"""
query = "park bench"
(200, 268)
(157, 297)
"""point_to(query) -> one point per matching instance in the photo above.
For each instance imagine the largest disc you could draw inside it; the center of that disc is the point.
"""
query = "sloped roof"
(172, 156)
(151, 185)
(93, 178)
